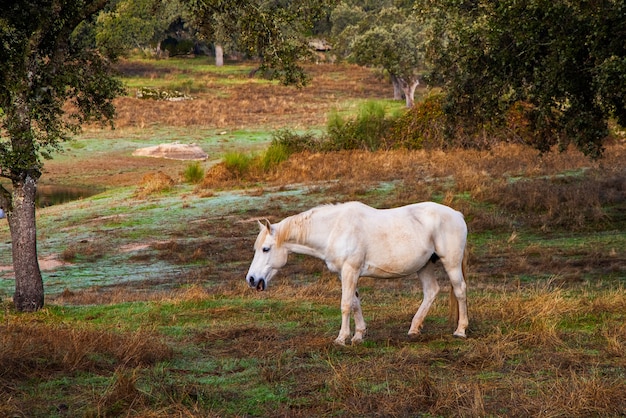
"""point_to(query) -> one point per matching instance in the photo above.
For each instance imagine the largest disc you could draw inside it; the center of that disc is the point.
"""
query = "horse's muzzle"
(260, 286)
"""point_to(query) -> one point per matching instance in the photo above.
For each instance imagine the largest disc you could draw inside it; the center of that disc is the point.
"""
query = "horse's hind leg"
(349, 279)
(430, 288)
(359, 322)
(455, 273)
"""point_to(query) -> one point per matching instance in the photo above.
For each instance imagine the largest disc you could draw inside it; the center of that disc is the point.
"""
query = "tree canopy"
(385, 36)
(563, 61)
(43, 66)
(127, 24)
(273, 30)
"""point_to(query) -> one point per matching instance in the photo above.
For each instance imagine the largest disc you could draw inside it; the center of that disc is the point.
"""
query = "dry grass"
(531, 352)
(152, 183)
(249, 102)
(547, 192)
(549, 346)
(69, 348)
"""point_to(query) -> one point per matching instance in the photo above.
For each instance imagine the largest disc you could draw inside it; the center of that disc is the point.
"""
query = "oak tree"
(51, 82)
(562, 62)
(275, 31)
(383, 35)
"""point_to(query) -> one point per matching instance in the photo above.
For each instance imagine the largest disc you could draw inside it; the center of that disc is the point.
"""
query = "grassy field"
(147, 312)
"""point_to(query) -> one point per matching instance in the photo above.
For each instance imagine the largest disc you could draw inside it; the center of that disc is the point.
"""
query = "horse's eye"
(266, 249)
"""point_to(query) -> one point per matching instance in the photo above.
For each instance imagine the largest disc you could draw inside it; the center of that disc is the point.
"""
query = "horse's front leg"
(349, 278)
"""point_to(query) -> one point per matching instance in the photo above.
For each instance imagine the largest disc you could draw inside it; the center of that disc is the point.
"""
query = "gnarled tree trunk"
(29, 293)
(404, 87)
(398, 94)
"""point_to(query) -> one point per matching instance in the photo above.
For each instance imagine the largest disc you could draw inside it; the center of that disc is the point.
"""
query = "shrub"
(274, 155)
(293, 142)
(423, 126)
(238, 163)
(194, 173)
(367, 131)
(427, 126)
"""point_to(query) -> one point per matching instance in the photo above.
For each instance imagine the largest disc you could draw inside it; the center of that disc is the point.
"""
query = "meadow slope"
(147, 313)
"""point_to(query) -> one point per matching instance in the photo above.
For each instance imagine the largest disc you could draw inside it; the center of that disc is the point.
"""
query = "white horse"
(356, 240)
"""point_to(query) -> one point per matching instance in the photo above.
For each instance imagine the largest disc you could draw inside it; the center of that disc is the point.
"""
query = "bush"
(426, 125)
(423, 126)
(238, 163)
(366, 132)
(293, 142)
(194, 173)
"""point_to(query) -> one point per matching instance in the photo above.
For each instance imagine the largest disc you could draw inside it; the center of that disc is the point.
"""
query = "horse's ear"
(265, 225)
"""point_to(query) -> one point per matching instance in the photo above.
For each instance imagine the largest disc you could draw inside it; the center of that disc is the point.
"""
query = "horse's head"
(269, 256)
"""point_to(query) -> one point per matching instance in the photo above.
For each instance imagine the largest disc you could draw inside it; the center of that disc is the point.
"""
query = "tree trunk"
(408, 87)
(409, 91)
(397, 88)
(219, 55)
(29, 293)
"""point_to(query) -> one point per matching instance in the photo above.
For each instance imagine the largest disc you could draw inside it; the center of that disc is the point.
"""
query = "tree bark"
(397, 88)
(20, 210)
(219, 55)
(409, 91)
(407, 86)
(29, 293)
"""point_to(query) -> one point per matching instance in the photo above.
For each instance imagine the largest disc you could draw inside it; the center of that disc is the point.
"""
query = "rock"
(173, 151)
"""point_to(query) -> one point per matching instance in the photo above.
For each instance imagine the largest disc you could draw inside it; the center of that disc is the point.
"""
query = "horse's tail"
(454, 303)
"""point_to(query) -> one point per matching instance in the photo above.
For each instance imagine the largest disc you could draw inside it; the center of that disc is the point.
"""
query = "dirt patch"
(45, 264)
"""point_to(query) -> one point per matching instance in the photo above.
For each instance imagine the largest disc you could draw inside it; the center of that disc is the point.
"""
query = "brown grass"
(85, 250)
(559, 190)
(71, 349)
(519, 360)
(251, 102)
(152, 183)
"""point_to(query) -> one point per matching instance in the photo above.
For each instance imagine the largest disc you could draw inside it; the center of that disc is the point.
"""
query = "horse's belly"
(389, 269)
(379, 273)
(391, 259)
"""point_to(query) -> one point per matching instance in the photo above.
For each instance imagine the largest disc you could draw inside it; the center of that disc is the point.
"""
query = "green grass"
(238, 162)
(190, 75)
(193, 173)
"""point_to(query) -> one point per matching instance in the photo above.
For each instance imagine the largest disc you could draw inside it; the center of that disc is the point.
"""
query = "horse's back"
(397, 240)
(422, 216)
(437, 214)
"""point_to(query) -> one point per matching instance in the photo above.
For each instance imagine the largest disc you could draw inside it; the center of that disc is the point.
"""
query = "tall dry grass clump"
(45, 352)
(152, 183)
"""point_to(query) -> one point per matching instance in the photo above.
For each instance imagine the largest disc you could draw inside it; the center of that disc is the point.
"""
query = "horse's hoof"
(358, 336)
(340, 342)
(414, 336)
(459, 335)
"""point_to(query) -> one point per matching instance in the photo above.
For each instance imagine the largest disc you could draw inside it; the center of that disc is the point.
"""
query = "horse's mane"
(294, 228)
